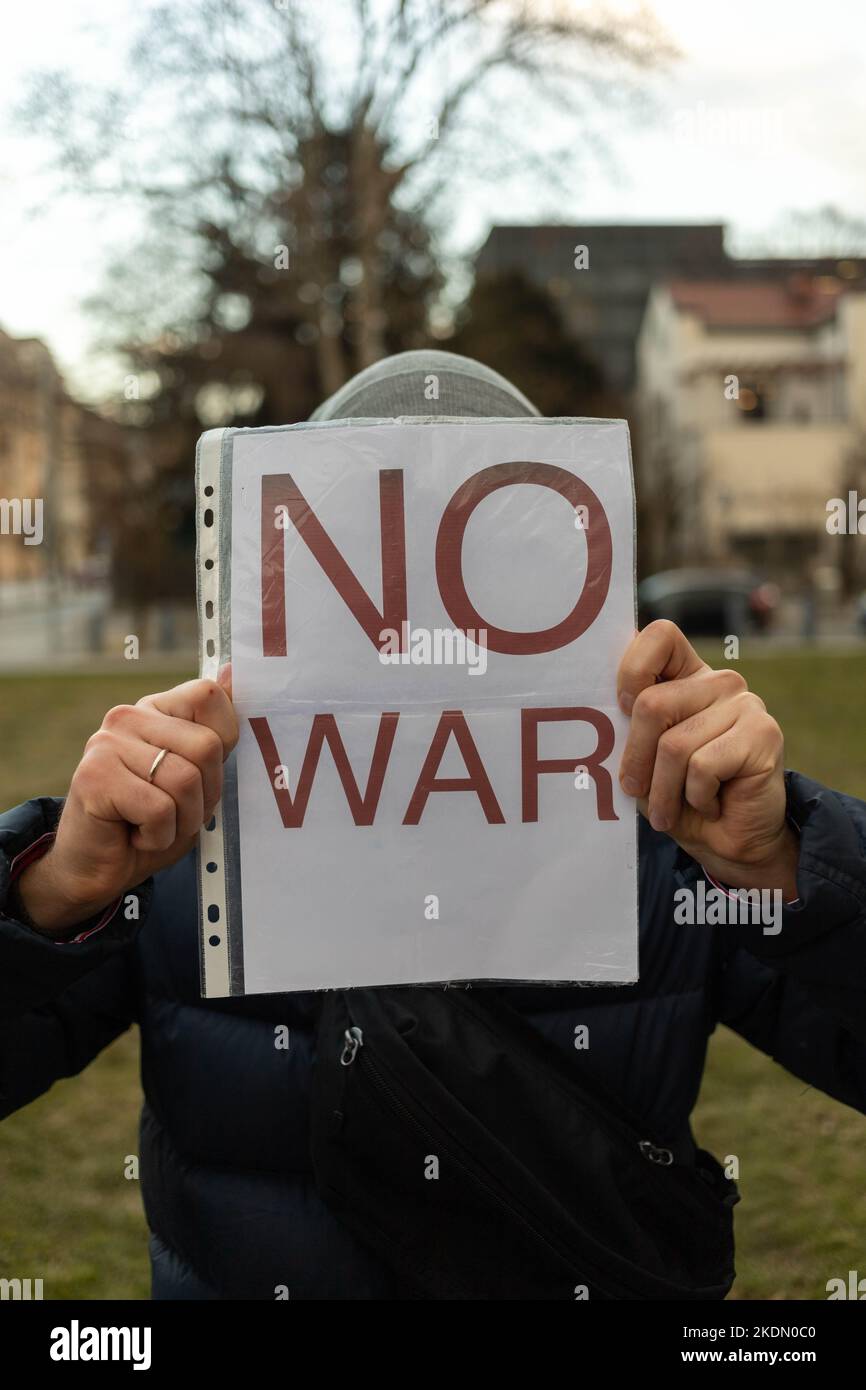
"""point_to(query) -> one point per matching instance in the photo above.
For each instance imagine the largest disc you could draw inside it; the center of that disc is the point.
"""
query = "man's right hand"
(117, 828)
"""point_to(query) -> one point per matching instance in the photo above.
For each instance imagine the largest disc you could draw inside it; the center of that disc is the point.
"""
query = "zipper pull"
(651, 1151)
(354, 1039)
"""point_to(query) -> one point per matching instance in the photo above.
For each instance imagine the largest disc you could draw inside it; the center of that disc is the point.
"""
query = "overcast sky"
(764, 112)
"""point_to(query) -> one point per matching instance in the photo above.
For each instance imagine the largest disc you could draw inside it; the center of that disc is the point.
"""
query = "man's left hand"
(704, 760)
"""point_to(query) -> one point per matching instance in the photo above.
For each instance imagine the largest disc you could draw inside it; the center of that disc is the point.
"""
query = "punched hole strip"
(212, 880)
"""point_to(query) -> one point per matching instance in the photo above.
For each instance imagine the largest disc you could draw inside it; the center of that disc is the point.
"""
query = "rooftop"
(801, 301)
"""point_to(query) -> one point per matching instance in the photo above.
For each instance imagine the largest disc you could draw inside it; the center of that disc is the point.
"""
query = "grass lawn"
(69, 1216)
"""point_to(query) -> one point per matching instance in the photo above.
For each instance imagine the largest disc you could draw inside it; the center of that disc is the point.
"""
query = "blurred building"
(602, 303)
(602, 294)
(751, 402)
(667, 315)
(53, 452)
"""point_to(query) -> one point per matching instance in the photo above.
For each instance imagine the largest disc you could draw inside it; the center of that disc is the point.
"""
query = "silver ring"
(154, 767)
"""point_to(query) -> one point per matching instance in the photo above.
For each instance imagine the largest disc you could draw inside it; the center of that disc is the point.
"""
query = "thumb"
(224, 679)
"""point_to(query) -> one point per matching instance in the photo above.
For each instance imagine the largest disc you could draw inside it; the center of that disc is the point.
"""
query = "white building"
(751, 408)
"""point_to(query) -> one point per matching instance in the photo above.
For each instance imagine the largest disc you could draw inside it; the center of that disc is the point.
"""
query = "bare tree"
(292, 164)
(301, 125)
(824, 232)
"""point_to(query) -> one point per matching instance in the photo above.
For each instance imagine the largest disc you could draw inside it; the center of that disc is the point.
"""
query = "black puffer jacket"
(225, 1170)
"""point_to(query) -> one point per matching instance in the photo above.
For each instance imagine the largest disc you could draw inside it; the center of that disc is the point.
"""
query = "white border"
(216, 974)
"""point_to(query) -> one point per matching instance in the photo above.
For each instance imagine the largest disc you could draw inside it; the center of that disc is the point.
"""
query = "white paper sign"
(424, 620)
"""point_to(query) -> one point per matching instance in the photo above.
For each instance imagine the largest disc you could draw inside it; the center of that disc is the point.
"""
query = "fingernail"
(659, 822)
(630, 786)
(626, 702)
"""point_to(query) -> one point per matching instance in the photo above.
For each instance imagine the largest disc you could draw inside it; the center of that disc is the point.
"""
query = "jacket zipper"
(353, 1041)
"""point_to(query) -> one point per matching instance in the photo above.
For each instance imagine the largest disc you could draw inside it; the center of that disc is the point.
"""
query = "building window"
(753, 402)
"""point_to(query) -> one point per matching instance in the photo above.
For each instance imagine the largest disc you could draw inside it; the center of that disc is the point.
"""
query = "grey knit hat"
(401, 385)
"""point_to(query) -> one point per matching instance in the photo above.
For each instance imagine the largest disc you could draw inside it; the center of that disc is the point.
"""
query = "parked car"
(708, 603)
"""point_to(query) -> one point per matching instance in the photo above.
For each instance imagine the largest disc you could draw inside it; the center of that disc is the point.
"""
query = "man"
(228, 1189)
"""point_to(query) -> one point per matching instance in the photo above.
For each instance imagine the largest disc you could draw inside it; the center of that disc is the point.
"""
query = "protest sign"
(424, 618)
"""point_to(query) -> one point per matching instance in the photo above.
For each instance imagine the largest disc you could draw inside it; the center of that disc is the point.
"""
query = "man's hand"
(117, 828)
(704, 760)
